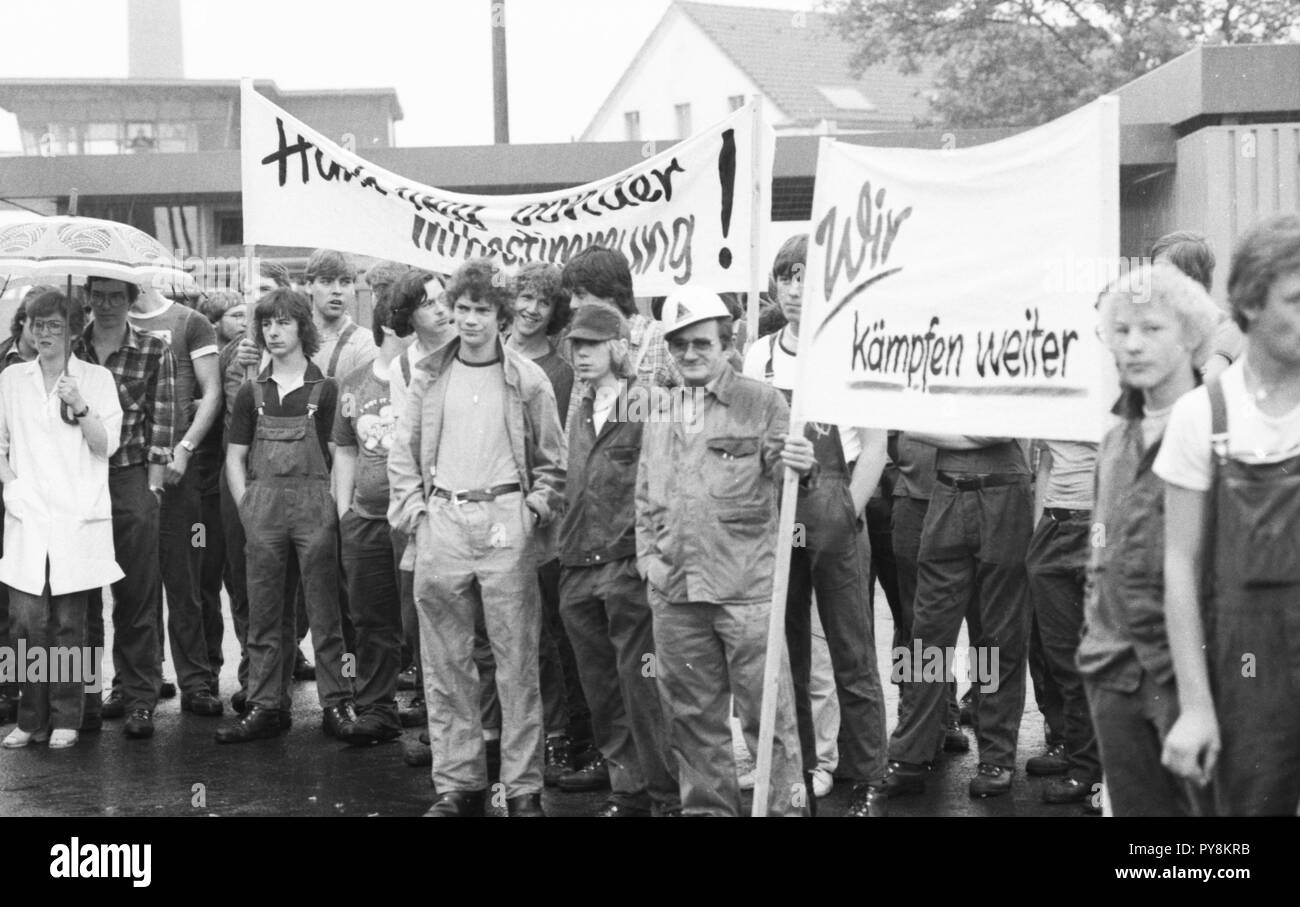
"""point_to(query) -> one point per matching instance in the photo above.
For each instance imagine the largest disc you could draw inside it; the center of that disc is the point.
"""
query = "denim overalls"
(288, 512)
(1252, 616)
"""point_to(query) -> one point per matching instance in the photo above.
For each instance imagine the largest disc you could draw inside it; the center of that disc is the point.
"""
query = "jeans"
(607, 616)
(213, 569)
(707, 655)
(370, 562)
(181, 563)
(45, 622)
(474, 557)
(137, 596)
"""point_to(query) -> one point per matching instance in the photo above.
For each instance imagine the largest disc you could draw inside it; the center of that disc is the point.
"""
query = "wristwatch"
(185, 442)
(83, 414)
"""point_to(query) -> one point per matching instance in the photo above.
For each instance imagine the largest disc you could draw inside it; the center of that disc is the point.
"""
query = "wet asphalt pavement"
(182, 772)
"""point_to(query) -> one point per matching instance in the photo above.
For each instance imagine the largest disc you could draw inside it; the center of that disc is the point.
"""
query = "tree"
(1023, 62)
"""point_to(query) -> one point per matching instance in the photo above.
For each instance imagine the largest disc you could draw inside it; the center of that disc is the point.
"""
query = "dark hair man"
(143, 367)
(278, 468)
(708, 484)
(477, 473)
(1229, 462)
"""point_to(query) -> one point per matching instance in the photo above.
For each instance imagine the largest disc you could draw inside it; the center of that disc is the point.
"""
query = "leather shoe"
(525, 806)
(1066, 790)
(990, 781)
(406, 679)
(167, 690)
(614, 809)
(139, 724)
(460, 804)
(368, 729)
(954, 741)
(91, 721)
(302, 668)
(1053, 762)
(202, 703)
(256, 724)
(868, 801)
(557, 759)
(967, 713)
(239, 701)
(902, 778)
(418, 756)
(336, 718)
(413, 715)
(591, 777)
(114, 706)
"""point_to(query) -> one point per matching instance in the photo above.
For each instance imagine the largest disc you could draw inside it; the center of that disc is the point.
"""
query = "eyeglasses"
(699, 345)
(53, 328)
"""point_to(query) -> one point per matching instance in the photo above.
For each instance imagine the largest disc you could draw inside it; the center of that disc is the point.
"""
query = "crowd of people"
(553, 520)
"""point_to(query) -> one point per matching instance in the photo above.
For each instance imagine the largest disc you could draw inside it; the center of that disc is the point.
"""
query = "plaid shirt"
(146, 385)
(657, 369)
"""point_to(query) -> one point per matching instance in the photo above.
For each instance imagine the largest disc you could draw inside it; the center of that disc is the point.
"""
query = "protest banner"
(954, 291)
(686, 214)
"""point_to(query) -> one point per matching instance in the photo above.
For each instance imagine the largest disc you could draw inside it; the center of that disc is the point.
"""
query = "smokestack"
(500, 104)
(154, 39)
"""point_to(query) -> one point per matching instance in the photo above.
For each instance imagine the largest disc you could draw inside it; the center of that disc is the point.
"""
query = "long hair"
(283, 303)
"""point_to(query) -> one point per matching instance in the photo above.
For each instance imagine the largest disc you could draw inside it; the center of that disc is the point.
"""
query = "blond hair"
(1162, 284)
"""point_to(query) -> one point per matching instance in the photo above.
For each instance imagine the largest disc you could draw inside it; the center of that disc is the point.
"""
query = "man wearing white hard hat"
(707, 501)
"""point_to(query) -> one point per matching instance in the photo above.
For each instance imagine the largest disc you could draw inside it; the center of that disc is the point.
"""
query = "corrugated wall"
(1230, 177)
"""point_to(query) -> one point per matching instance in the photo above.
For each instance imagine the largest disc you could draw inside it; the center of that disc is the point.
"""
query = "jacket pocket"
(732, 467)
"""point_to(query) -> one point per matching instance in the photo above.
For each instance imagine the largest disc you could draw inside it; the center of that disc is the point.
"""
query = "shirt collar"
(723, 386)
(310, 376)
(130, 340)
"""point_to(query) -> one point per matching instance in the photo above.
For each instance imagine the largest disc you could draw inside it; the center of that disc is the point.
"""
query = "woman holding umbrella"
(60, 420)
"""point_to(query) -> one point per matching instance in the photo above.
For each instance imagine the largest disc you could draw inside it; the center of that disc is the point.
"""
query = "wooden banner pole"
(760, 183)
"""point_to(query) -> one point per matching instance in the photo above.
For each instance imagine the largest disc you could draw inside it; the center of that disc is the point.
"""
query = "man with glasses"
(142, 366)
(707, 499)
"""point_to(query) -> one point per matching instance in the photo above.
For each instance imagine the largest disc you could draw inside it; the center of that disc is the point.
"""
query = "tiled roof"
(789, 54)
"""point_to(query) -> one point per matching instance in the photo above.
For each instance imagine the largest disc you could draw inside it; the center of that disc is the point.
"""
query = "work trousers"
(180, 561)
(370, 559)
(708, 654)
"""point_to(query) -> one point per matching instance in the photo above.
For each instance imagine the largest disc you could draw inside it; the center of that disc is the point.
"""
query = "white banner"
(680, 216)
(953, 291)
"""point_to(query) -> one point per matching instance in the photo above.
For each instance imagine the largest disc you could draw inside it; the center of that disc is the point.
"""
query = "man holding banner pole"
(713, 455)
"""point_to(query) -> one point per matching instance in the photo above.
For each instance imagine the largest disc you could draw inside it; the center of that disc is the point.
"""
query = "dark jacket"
(600, 488)
(1124, 615)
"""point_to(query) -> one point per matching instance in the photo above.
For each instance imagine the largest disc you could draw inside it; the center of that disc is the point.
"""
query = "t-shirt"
(1228, 341)
(367, 422)
(1185, 457)
(783, 375)
(1070, 483)
(477, 453)
(398, 384)
(243, 421)
(190, 337)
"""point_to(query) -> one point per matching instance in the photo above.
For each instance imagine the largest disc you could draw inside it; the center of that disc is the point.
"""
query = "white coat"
(58, 505)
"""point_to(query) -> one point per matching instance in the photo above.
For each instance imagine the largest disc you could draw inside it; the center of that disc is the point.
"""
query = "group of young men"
(557, 517)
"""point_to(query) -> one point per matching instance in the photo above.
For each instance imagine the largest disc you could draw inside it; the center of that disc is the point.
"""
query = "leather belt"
(477, 495)
(1064, 514)
(975, 483)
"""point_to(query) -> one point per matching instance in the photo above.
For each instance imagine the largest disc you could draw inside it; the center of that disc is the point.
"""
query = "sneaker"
(62, 738)
(18, 738)
(990, 781)
(822, 782)
(557, 759)
(114, 706)
(1053, 762)
(591, 777)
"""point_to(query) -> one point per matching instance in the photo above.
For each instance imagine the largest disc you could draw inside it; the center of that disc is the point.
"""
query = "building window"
(230, 228)
(141, 137)
(632, 125)
(102, 138)
(177, 138)
(735, 102)
(683, 112)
